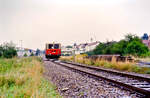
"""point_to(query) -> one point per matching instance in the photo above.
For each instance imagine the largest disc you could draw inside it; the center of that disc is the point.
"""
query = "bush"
(8, 50)
(136, 48)
(131, 45)
(32, 54)
(25, 55)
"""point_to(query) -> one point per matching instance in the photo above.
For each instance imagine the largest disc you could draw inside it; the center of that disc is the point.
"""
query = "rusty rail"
(126, 86)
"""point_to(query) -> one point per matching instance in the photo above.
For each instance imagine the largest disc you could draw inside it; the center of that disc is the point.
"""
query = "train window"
(50, 46)
(56, 46)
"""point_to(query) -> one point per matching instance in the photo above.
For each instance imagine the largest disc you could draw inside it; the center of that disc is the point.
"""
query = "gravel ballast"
(71, 84)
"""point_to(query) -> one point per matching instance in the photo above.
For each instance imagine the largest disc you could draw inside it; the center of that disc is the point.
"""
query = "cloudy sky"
(37, 22)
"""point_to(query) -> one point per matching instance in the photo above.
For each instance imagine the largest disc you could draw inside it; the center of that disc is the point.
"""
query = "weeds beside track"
(22, 77)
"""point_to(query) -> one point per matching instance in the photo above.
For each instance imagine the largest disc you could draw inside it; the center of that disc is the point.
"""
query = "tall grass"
(113, 64)
(23, 78)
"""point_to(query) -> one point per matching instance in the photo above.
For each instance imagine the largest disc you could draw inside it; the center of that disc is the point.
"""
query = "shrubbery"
(8, 50)
(131, 45)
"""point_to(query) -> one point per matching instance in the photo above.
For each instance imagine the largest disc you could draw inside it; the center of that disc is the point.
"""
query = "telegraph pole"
(74, 55)
(21, 44)
(21, 47)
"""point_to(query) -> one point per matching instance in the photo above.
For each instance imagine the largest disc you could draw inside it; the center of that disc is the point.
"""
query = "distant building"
(91, 46)
(147, 43)
(81, 48)
(85, 47)
(145, 36)
(66, 50)
(22, 51)
(146, 40)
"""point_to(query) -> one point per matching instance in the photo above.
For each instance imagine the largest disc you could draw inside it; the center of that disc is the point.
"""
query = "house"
(147, 43)
(85, 47)
(66, 50)
(21, 52)
(146, 40)
(81, 48)
(91, 46)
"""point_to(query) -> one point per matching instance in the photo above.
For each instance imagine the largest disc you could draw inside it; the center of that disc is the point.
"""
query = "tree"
(25, 55)
(137, 48)
(68, 46)
(119, 47)
(89, 53)
(131, 45)
(37, 52)
(8, 50)
(99, 49)
(32, 54)
(132, 37)
(145, 36)
(1, 51)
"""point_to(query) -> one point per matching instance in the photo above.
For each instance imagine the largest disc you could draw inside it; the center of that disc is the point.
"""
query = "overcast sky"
(37, 22)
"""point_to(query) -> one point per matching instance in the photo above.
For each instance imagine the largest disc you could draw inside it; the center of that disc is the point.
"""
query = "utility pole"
(20, 44)
(21, 47)
(74, 55)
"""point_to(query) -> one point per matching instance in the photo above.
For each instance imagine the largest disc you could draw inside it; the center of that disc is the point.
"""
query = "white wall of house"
(82, 48)
(66, 51)
(90, 47)
(22, 52)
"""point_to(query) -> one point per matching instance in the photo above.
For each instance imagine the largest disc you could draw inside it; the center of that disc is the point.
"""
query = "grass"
(147, 59)
(121, 66)
(22, 78)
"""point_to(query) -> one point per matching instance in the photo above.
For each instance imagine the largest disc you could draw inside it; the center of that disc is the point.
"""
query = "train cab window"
(50, 46)
(56, 46)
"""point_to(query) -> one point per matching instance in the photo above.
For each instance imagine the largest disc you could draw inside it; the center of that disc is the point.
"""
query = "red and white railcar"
(53, 50)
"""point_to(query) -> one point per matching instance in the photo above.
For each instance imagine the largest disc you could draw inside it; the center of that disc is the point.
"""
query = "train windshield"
(56, 46)
(50, 46)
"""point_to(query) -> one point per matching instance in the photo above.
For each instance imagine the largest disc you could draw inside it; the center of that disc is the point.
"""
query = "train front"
(53, 50)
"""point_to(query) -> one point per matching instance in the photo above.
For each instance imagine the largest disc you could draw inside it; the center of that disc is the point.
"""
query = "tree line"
(8, 50)
(130, 45)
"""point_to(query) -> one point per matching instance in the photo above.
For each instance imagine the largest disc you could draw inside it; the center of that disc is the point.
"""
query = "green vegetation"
(7, 50)
(32, 54)
(22, 78)
(25, 55)
(121, 66)
(131, 45)
(68, 46)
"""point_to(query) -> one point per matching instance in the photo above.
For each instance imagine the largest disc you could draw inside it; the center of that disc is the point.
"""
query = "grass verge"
(22, 78)
(121, 66)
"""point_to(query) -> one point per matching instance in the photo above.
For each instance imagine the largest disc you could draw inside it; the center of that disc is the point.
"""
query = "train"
(53, 50)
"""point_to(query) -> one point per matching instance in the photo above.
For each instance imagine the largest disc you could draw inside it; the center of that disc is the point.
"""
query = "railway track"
(131, 82)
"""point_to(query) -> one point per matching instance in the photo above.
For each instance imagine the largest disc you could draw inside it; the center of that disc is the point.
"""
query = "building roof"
(93, 43)
(83, 45)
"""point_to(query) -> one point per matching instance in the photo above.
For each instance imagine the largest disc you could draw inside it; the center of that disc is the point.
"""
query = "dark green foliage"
(32, 54)
(90, 53)
(37, 52)
(136, 48)
(8, 50)
(68, 46)
(25, 55)
(131, 45)
(1, 51)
